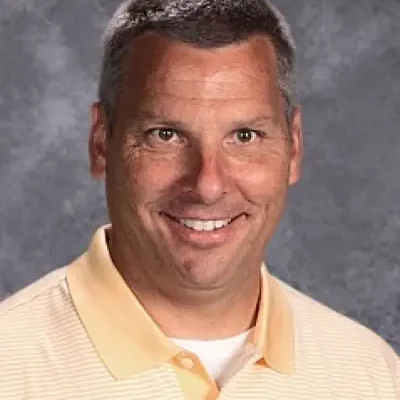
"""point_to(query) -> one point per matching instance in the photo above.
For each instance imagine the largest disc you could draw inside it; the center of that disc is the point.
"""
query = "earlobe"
(97, 142)
(296, 155)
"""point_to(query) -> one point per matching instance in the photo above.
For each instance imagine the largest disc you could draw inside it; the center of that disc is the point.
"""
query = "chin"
(206, 271)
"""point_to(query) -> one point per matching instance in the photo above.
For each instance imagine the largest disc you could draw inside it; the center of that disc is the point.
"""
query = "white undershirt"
(217, 356)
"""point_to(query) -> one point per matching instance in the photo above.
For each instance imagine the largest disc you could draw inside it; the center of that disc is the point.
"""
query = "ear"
(296, 154)
(98, 142)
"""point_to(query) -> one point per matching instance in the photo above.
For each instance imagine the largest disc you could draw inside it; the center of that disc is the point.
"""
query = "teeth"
(207, 226)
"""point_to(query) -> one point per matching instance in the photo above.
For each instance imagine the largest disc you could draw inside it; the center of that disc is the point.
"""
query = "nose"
(208, 176)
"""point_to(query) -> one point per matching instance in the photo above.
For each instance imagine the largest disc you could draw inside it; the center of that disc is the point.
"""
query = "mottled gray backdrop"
(340, 238)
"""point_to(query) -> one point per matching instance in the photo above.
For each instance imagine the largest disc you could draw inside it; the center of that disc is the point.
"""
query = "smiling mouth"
(199, 225)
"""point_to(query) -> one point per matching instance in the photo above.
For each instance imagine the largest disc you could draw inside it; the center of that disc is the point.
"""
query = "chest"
(92, 382)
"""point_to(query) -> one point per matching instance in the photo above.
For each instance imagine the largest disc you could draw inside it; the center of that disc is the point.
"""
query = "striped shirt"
(80, 333)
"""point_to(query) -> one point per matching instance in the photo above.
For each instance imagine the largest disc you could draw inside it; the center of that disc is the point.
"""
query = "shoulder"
(342, 344)
(35, 325)
(30, 296)
(33, 316)
(27, 315)
(312, 317)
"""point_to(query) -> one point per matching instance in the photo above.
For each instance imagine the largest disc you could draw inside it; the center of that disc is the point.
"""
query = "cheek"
(149, 176)
(265, 181)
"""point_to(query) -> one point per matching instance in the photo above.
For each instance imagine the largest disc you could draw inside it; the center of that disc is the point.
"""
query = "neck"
(207, 314)
(216, 315)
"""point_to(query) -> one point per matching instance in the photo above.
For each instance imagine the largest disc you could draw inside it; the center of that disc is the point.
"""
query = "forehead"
(159, 69)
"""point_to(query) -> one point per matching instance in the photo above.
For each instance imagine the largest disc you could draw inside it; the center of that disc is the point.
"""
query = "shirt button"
(187, 362)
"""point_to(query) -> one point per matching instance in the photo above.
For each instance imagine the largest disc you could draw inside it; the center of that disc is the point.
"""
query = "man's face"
(198, 163)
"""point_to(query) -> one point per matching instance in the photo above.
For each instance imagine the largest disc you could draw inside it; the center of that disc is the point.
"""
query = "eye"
(246, 136)
(165, 139)
(164, 134)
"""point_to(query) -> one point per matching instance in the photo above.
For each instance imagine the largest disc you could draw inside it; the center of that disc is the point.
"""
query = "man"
(198, 136)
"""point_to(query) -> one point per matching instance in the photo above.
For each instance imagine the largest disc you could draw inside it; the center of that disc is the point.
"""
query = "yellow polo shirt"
(80, 333)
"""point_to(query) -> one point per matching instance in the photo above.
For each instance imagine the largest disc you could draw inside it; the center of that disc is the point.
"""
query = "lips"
(204, 224)
(204, 233)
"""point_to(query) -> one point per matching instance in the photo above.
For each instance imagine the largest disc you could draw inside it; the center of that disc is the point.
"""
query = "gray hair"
(201, 23)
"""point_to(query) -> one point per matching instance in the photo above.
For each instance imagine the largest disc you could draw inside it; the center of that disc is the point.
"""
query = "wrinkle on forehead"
(165, 72)
(205, 89)
(156, 58)
(198, 116)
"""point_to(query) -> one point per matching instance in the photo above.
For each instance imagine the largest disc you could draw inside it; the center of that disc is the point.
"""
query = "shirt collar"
(126, 338)
(274, 330)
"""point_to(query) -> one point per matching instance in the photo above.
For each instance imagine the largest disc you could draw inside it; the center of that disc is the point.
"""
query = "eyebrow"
(148, 116)
(255, 121)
